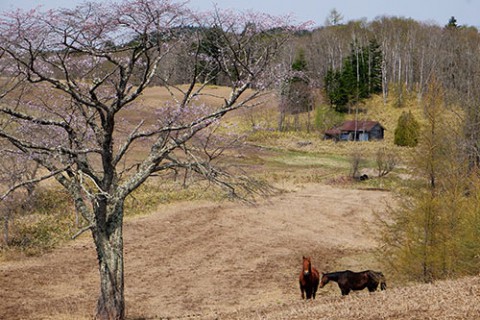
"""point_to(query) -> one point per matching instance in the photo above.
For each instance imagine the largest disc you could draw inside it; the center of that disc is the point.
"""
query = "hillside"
(207, 260)
(443, 300)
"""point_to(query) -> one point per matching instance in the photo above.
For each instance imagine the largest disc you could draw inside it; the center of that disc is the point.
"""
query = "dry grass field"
(207, 259)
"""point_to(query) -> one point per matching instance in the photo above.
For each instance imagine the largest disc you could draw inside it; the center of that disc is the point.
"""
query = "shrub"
(407, 131)
(386, 161)
(47, 222)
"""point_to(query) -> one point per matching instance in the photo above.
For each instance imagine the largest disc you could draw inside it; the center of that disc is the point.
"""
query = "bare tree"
(386, 161)
(82, 68)
(356, 161)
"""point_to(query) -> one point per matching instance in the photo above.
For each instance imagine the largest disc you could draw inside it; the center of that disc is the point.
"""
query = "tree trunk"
(281, 121)
(108, 237)
(6, 238)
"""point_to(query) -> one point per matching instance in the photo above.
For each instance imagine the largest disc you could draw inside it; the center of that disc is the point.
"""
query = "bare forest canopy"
(410, 51)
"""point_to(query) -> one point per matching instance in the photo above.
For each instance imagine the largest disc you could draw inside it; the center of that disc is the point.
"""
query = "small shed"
(356, 130)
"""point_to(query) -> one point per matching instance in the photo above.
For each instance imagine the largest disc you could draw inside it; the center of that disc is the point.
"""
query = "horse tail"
(383, 281)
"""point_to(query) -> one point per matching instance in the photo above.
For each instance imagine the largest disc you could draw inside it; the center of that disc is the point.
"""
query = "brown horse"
(349, 280)
(309, 278)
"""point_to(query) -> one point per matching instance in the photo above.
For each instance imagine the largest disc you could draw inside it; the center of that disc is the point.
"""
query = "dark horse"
(349, 280)
(309, 278)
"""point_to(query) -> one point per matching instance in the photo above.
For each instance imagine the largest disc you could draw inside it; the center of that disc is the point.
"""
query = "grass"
(286, 157)
(150, 195)
(453, 299)
(281, 158)
(47, 224)
(302, 159)
(53, 222)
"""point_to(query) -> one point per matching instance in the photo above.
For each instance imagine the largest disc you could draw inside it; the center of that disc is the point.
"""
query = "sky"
(466, 12)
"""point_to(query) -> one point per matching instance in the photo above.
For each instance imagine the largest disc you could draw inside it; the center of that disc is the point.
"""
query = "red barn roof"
(352, 125)
(359, 125)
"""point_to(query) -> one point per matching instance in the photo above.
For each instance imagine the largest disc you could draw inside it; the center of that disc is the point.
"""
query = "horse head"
(307, 266)
(324, 280)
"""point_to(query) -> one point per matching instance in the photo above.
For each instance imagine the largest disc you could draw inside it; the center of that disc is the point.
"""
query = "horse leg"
(309, 292)
(315, 288)
(373, 287)
(345, 291)
(302, 290)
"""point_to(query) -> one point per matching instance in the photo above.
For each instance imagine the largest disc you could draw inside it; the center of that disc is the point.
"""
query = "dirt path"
(203, 259)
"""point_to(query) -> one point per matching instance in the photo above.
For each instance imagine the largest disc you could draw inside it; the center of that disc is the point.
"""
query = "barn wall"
(376, 132)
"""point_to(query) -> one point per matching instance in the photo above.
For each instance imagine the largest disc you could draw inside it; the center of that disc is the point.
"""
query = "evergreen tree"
(334, 18)
(374, 70)
(407, 131)
(452, 23)
(359, 77)
(300, 62)
(335, 91)
(210, 48)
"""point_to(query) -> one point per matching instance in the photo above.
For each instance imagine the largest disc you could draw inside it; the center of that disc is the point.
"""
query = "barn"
(356, 130)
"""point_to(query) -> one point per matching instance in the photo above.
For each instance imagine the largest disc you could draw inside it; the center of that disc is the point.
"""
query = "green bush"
(407, 131)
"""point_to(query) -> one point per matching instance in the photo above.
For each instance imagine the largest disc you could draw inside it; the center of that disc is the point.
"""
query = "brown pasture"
(230, 261)
(224, 260)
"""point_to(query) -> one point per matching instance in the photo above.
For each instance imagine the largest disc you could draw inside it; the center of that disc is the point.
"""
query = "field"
(206, 259)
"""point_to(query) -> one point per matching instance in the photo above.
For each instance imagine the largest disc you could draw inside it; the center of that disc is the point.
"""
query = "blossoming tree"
(73, 73)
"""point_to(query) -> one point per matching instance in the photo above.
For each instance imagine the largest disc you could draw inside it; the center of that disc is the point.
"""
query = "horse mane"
(309, 262)
(333, 276)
